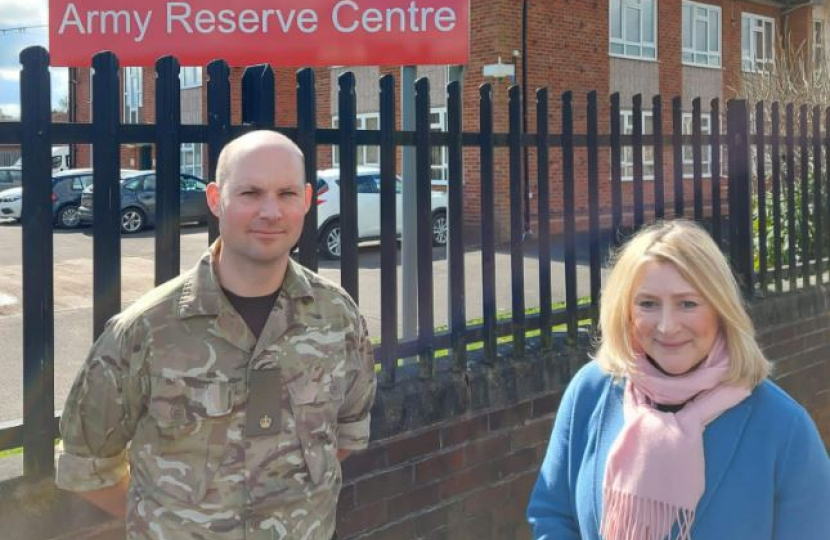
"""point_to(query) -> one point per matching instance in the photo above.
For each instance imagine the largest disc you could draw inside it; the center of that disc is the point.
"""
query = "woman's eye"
(647, 304)
(688, 304)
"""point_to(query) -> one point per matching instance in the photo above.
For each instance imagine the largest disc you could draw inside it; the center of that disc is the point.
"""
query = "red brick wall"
(471, 476)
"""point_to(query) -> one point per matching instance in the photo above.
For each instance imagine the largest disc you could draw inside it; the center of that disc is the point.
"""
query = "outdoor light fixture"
(499, 70)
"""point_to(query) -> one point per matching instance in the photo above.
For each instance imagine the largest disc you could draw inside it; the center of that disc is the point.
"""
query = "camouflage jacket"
(167, 388)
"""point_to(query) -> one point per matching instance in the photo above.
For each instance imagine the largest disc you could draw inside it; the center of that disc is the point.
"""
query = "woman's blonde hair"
(699, 260)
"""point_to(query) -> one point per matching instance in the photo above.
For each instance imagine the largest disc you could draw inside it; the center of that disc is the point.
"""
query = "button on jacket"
(166, 389)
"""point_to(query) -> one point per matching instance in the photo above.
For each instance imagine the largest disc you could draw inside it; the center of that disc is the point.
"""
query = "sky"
(13, 14)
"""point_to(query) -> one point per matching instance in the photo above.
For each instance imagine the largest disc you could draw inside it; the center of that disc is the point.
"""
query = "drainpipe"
(526, 155)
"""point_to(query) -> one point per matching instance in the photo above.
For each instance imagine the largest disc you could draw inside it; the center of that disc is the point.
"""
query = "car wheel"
(330, 241)
(68, 217)
(440, 228)
(132, 220)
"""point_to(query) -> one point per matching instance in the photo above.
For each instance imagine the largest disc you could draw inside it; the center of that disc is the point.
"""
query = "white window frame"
(819, 49)
(621, 44)
(705, 149)
(364, 153)
(751, 25)
(441, 169)
(190, 77)
(694, 53)
(133, 93)
(627, 152)
(193, 165)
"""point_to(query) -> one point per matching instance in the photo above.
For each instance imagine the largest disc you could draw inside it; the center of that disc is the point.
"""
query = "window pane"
(632, 26)
(768, 55)
(687, 27)
(714, 31)
(745, 36)
(372, 122)
(617, 48)
(700, 35)
(632, 50)
(648, 22)
(616, 20)
(372, 155)
(649, 52)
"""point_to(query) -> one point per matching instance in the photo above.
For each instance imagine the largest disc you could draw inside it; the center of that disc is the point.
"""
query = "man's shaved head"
(254, 141)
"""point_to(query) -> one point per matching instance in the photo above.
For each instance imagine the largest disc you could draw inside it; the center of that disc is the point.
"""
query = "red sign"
(245, 32)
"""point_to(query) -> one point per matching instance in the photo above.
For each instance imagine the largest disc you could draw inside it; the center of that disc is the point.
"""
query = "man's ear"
(214, 198)
(308, 194)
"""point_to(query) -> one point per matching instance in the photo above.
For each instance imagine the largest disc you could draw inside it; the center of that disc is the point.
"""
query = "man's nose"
(270, 208)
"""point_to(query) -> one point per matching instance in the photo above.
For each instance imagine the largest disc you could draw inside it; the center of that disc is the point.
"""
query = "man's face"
(262, 205)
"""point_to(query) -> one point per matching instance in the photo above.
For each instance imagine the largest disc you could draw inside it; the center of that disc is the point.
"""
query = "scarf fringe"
(628, 517)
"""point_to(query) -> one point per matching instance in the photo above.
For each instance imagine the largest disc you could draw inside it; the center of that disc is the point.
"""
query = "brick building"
(702, 48)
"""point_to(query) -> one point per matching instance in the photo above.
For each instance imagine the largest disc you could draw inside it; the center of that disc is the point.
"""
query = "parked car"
(10, 177)
(368, 210)
(11, 203)
(67, 187)
(138, 201)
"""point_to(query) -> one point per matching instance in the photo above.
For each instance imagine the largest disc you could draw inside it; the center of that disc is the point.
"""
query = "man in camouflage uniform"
(233, 424)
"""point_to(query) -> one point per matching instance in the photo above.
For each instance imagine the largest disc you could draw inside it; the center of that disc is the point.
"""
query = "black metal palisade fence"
(778, 267)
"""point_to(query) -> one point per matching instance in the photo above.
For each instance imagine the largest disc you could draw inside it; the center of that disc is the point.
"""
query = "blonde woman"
(674, 430)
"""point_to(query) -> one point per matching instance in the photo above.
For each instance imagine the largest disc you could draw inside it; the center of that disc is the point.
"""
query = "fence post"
(258, 105)
(543, 212)
(488, 220)
(347, 118)
(168, 165)
(516, 223)
(569, 203)
(38, 277)
(219, 125)
(740, 193)
(106, 198)
(307, 141)
(455, 244)
(423, 210)
(388, 234)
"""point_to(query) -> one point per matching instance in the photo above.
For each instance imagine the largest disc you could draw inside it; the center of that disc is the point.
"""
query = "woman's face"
(671, 322)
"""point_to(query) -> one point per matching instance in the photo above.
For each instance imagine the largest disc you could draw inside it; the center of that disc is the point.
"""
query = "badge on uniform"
(264, 411)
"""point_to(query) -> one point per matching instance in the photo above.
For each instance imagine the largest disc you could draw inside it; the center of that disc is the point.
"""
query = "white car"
(368, 210)
(11, 203)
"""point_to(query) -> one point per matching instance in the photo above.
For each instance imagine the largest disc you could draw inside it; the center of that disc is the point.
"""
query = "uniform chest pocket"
(314, 406)
(187, 432)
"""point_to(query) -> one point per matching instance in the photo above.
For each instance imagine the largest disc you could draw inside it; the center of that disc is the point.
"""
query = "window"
(191, 183)
(190, 77)
(819, 57)
(366, 155)
(367, 183)
(440, 156)
(705, 150)
(81, 182)
(133, 94)
(627, 124)
(701, 34)
(633, 29)
(191, 159)
(757, 38)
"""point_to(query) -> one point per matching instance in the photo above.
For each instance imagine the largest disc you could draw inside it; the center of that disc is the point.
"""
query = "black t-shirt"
(253, 309)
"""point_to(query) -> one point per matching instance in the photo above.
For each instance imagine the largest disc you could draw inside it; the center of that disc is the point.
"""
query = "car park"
(138, 201)
(368, 210)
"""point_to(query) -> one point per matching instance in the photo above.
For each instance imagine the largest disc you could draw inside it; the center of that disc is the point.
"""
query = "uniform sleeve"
(550, 510)
(353, 416)
(802, 499)
(99, 417)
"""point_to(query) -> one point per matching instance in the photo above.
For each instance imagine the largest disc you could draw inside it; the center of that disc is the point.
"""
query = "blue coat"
(767, 470)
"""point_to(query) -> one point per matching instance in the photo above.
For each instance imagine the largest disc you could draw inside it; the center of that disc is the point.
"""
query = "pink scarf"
(654, 477)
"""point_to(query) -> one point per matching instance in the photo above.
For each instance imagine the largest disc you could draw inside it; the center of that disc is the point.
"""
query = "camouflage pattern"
(166, 387)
